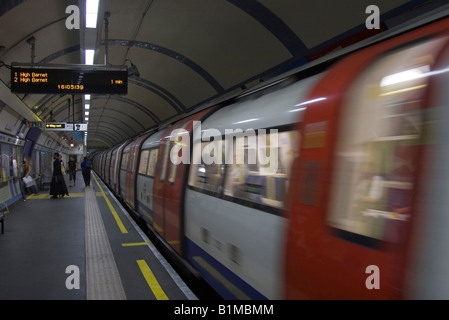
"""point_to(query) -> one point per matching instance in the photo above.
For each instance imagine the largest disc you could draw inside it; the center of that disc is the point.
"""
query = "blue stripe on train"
(193, 252)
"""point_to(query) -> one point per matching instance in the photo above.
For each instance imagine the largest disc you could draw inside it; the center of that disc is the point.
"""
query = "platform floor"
(81, 247)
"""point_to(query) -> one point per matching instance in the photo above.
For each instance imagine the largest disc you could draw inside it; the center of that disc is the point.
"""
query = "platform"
(81, 247)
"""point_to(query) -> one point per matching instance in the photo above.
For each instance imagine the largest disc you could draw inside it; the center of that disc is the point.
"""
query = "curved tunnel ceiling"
(187, 52)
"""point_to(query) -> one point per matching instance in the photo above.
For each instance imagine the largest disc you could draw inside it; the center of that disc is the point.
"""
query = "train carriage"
(131, 169)
(238, 244)
(103, 164)
(116, 167)
(169, 182)
(123, 170)
(111, 168)
(146, 175)
(362, 150)
(107, 166)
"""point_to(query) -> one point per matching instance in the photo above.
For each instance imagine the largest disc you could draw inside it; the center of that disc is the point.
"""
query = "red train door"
(123, 171)
(116, 170)
(169, 183)
(354, 184)
(131, 174)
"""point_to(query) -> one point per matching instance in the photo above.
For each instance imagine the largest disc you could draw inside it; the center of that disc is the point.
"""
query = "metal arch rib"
(131, 102)
(161, 92)
(59, 53)
(103, 136)
(172, 54)
(112, 130)
(115, 120)
(108, 125)
(121, 114)
(106, 143)
(8, 5)
(274, 24)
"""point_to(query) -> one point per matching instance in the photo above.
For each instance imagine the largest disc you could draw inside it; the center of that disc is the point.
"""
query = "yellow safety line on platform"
(41, 196)
(151, 280)
(114, 213)
(47, 196)
(132, 244)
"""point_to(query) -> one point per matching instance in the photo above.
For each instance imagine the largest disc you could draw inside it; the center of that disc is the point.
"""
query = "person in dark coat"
(58, 186)
(86, 166)
(72, 170)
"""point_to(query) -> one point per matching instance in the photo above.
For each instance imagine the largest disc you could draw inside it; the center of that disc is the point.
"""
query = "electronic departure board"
(68, 81)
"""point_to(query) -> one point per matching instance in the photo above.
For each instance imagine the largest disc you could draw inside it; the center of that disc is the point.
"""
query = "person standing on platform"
(86, 166)
(26, 171)
(57, 186)
(62, 164)
(72, 166)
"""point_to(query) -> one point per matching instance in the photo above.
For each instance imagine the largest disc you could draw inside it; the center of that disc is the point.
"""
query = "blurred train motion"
(357, 206)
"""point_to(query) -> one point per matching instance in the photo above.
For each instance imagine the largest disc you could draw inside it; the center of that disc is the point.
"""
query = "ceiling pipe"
(32, 42)
(106, 36)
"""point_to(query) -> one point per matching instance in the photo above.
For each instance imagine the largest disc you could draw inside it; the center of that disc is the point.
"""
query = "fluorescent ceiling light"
(86, 118)
(87, 96)
(89, 56)
(87, 106)
(86, 113)
(91, 13)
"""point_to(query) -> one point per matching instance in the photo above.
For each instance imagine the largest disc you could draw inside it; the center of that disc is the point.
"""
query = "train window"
(143, 165)
(208, 175)
(265, 180)
(124, 161)
(376, 156)
(152, 162)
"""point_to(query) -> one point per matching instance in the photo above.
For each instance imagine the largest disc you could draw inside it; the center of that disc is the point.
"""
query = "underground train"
(327, 184)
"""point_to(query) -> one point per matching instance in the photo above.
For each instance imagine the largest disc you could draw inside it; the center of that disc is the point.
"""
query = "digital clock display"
(68, 81)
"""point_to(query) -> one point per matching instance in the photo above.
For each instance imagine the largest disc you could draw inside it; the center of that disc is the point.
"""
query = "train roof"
(275, 109)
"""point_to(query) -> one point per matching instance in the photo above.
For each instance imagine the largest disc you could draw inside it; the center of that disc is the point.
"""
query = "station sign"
(48, 80)
(63, 126)
(56, 126)
(78, 126)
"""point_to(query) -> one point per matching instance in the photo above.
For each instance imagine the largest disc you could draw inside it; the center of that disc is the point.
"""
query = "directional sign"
(63, 126)
(54, 126)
